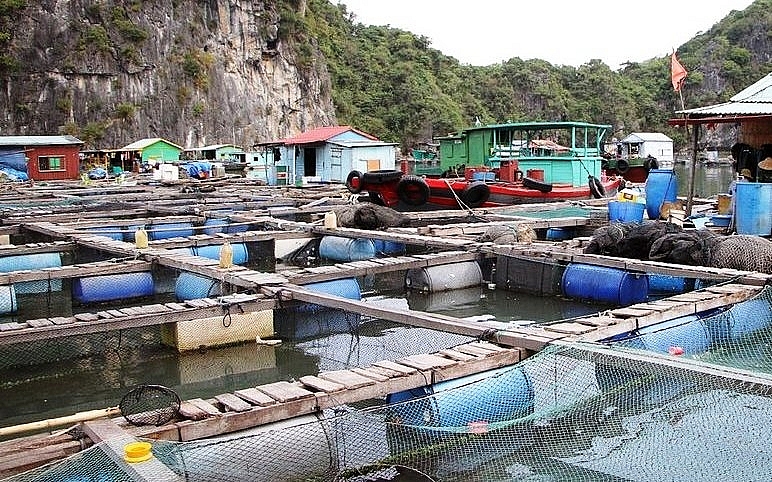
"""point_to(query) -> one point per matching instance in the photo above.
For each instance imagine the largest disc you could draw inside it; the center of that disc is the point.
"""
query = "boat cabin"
(553, 152)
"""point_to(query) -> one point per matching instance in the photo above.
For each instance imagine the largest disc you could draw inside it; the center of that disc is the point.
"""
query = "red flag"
(677, 72)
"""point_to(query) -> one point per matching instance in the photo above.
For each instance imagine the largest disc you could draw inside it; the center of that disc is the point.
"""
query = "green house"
(153, 150)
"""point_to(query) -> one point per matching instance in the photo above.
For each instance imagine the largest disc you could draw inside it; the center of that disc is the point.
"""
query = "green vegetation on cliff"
(393, 84)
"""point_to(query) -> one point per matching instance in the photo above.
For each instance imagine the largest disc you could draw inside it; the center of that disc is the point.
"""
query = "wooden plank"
(234, 421)
(426, 361)
(569, 328)
(63, 320)
(457, 355)
(255, 397)
(347, 378)
(488, 346)
(192, 412)
(321, 384)
(394, 367)
(370, 373)
(470, 349)
(598, 321)
(207, 407)
(39, 323)
(12, 326)
(232, 403)
(284, 391)
(86, 317)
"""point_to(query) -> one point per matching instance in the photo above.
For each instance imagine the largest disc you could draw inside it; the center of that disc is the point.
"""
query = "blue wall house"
(328, 154)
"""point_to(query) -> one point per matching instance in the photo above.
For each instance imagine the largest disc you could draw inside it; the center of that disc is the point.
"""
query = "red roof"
(322, 134)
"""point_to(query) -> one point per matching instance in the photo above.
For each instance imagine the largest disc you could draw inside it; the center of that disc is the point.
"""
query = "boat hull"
(448, 192)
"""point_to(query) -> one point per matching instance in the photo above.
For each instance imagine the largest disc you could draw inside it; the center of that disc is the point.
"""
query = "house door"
(309, 161)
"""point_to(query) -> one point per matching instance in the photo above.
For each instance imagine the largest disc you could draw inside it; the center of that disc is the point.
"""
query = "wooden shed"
(328, 154)
(44, 158)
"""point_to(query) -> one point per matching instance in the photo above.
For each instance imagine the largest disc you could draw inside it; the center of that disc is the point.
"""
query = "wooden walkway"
(253, 406)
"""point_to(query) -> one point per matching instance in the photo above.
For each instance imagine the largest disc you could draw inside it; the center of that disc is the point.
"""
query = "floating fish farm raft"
(669, 379)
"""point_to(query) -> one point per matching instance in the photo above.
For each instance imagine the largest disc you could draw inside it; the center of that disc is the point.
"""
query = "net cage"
(608, 411)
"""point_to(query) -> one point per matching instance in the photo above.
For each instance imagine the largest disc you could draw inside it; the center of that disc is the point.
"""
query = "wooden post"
(690, 199)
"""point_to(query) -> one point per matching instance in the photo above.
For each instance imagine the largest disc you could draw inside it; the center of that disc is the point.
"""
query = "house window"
(50, 163)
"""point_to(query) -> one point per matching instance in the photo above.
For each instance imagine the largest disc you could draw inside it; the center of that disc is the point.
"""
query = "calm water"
(709, 181)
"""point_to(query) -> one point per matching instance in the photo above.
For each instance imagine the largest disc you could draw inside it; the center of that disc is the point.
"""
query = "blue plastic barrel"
(191, 286)
(337, 248)
(662, 284)
(487, 397)
(93, 289)
(7, 299)
(388, 247)
(687, 332)
(112, 232)
(753, 208)
(559, 234)
(343, 288)
(240, 255)
(170, 230)
(608, 285)
(740, 320)
(625, 212)
(215, 226)
(33, 262)
(661, 187)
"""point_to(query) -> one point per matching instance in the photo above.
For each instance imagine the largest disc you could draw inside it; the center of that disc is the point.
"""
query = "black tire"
(596, 187)
(650, 163)
(381, 176)
(538, 185)
(475, 194)
(413, 191)
(354, 182)
(622, 166)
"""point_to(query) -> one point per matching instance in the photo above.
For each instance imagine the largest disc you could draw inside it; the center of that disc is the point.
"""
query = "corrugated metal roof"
(39, 140)
(753, 100)
(646, 136)
(144, 143)
(353, 144)
(322, 134)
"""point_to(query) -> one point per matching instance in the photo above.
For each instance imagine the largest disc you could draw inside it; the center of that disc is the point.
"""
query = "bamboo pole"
(59, 421)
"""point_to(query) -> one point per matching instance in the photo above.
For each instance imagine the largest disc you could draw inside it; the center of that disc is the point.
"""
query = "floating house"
(216, 153)
(153, 150)
(328, 154)
(41, 158)
(751, 109)
(644, 144)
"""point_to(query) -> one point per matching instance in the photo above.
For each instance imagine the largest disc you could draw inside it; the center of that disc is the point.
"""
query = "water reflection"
(709, 180)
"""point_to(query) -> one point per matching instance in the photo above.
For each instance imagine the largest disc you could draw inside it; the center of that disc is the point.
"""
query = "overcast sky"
(484, 32)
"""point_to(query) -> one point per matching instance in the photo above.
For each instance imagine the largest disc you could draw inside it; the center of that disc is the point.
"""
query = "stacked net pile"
(569, 413)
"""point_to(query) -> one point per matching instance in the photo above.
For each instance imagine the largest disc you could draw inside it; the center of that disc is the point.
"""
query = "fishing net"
(625, 409)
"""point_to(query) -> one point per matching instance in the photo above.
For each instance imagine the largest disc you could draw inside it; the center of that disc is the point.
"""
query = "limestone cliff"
(195, 72)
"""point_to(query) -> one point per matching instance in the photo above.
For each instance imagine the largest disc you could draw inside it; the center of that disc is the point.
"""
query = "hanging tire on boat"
(413, 190)
(531, 183)
(354, 182)
(382, 176)
(475, 194)
(622, 166)
(596, 187)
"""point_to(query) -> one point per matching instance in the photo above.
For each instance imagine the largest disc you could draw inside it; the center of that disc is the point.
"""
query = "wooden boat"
(513, 163)
(390, 188)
